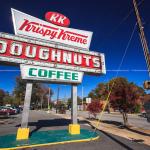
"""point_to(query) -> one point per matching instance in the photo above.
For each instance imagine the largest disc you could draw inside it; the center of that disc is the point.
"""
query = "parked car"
(147, 109)
(15, 108)
(6, 111)
(143, 113)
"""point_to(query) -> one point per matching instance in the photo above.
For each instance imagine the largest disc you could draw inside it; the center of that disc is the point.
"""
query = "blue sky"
(103, 18)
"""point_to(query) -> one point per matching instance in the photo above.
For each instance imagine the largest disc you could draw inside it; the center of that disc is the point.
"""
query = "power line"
(121, 22)
(113, 84)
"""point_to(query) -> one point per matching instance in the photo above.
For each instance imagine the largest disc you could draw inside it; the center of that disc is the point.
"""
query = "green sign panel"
(50, 74)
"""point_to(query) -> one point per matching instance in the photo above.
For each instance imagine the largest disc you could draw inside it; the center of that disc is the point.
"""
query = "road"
(134, 120)
(40, 120)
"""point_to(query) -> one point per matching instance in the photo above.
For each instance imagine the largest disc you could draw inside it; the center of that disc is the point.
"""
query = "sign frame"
(50, 64)
(58, 35)
(25, 69)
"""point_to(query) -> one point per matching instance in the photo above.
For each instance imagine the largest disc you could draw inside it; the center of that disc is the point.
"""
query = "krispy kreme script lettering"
(52, 32)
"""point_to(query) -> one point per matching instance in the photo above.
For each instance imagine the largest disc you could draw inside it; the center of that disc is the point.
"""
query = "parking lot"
(42, 121)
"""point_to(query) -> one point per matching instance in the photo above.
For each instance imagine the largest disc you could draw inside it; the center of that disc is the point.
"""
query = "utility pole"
(142, 37)
(48, 100)
(82, 97)
(57, 99)
(146, 51)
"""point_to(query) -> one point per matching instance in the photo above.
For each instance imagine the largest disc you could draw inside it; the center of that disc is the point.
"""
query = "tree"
(8, 99)
(39, 92)
(45, 95)
(100, 92)
(124, 96)
(2, 95)
(69, 102)
(19, 90)
(94, 107)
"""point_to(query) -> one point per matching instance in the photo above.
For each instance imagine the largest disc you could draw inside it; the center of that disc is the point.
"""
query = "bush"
(94, 107)
(137, 108)
(61, 108)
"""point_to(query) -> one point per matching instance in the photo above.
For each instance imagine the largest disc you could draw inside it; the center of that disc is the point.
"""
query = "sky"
(111, 33)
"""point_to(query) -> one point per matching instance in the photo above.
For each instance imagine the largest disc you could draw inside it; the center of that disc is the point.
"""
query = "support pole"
(82, 97)
(74, 128)
(57, 100)
(142, 36)
(74, 104)
(48, 107)
(23, 132)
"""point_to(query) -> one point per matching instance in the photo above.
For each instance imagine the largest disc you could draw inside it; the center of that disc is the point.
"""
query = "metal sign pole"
(74, 104)
(74, 128)
(23, 132)
(25, 114)
(48, 107)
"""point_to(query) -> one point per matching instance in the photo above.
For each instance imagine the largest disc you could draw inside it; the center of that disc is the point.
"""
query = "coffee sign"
(47, 74)
(33, 27)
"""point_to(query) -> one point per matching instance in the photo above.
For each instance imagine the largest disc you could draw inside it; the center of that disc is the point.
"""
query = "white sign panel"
(46, 74)
(20, 50)
(30, 26)
(88, 100)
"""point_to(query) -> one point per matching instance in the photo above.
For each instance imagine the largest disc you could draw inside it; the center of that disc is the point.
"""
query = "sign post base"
(23, 131)
(74, 129)
(22, 134)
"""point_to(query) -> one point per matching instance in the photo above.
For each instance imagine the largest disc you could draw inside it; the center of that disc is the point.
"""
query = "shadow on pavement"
(121, 126)
(7, 117)
(116, 123)
(51, 123)
(114, 139)
(137, 131)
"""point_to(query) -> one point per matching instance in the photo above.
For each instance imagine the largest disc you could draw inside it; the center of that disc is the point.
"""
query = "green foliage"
(2, 95)
(137, 108)
(124, 95)
(40, 93)
(8, 100)
(79, 101)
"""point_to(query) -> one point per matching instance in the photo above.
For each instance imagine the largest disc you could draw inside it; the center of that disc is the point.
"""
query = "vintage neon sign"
(14, 49)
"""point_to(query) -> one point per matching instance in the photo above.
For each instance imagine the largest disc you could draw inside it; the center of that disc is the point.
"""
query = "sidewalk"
(133, 133)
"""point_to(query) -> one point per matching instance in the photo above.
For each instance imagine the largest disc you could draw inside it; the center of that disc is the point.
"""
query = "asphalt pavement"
(40, 120)
(134, 119)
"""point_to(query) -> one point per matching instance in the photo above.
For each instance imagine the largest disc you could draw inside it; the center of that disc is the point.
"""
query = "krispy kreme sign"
(30, 26)
(57, 18)
(19, 50)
